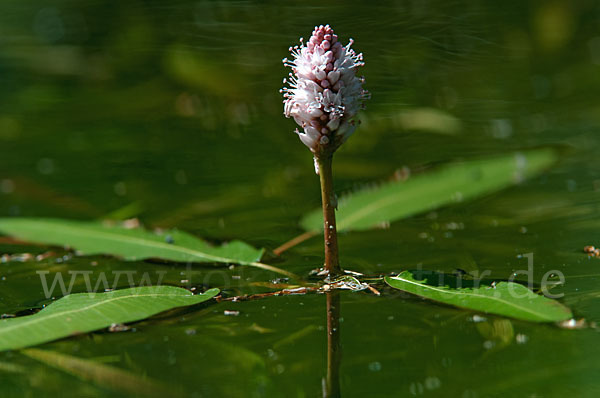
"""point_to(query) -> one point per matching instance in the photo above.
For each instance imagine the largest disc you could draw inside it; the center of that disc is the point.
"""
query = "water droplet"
(416, 389)
(375, 366)
(432, 383)
(181, 177)
(7, 186)
(521, 338)
(488, 344)
(45, 166)
(120, 188)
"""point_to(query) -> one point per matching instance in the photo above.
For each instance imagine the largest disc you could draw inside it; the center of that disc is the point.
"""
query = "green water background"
(170, 111)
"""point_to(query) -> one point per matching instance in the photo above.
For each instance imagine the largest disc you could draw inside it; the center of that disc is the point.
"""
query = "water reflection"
(334, 352)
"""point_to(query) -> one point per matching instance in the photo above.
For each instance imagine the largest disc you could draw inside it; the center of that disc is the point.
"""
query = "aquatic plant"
(324, 96)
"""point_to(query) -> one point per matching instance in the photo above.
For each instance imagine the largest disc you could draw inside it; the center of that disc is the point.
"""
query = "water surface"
(171, 110)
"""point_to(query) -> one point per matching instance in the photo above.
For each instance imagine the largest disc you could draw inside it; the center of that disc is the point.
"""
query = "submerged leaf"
(451, 184)
(104, 376)
(128, 243)
(86, 312)
(504, 298)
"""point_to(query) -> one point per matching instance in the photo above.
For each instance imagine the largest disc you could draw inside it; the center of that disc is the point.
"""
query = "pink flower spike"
(323, 92)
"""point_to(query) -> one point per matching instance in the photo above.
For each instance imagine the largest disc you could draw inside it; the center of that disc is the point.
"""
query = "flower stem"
(332, 263)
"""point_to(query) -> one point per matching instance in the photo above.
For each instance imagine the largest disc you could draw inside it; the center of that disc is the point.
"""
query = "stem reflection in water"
(334, 353)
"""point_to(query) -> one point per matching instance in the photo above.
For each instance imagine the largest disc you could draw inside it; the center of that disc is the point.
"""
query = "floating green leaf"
(86, 312)
(129, 243)
(451, 184)
(505, 298)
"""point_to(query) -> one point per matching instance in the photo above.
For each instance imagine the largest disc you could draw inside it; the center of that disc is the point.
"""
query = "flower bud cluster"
(324, 94)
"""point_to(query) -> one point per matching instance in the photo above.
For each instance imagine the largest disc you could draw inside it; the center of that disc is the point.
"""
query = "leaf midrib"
(38, 318)
(143, 242)
(376, 205)
(541, 316)
(532, 166)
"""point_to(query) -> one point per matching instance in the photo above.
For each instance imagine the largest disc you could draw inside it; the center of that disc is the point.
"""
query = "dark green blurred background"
(169, 111)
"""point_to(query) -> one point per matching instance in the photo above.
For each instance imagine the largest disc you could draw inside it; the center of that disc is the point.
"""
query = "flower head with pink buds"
(324, 93)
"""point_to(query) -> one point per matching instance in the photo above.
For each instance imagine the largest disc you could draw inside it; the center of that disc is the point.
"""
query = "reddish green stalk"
(332, 262)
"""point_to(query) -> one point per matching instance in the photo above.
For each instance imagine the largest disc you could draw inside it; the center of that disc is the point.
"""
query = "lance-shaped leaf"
(104, 376)
(451, 184)
(128, 243)
(86, 312)
(504, 298)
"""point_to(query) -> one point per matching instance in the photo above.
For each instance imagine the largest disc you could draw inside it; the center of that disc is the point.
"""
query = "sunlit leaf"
(86, 312)
(504, 298)
(454, 183)
(128, 243)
